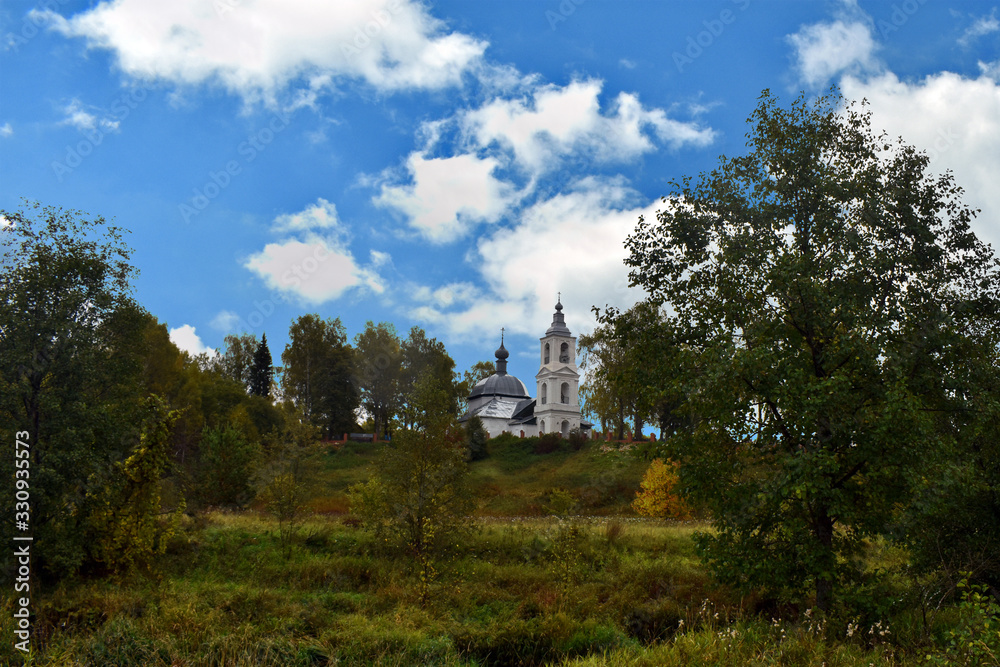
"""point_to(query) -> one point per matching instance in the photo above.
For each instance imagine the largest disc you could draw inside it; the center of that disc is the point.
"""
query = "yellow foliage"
(125, 525)
(658, 497)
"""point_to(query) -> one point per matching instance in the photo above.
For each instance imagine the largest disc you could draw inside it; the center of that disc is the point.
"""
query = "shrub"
(548, 443)
(418, 496)
(658, 497)
(286, 484)
(559, 502)
(476, 437)
(975, 640)
(124, 525)
(228, 463)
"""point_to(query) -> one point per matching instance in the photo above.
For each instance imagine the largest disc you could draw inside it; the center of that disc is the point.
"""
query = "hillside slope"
(513, 480)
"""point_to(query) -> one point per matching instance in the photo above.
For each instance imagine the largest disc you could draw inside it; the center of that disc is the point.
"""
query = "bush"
(658, 497)
(476, 438)
(228, 462)
(548, 443)
(418, 497)
(286, 484)
(124, 525)
(976, 638)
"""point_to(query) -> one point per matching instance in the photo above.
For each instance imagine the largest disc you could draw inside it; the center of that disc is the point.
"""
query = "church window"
(541, 427)
(565, 429)
(564, 393)
(564, 353)
(546, 354)
(545, 393)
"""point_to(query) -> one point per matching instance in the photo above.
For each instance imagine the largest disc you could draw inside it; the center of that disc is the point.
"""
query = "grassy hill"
(518, 590)
(514, 480)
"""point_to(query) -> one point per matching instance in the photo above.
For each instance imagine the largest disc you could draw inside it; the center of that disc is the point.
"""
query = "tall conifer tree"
(262, 371)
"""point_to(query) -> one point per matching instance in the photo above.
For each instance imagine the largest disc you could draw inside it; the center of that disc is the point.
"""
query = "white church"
(502, 402)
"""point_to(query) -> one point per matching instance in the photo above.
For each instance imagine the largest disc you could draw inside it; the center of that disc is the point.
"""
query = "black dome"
(558, 327)
(500, 385)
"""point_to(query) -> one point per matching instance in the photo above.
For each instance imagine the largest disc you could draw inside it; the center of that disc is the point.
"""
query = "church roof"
(501, 408)
(558, 327)
(500, 385)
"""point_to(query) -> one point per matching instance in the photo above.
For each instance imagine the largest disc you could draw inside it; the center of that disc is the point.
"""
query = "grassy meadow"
(598, 586)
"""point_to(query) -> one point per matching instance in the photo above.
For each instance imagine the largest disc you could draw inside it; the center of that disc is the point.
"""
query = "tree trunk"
(823, 529)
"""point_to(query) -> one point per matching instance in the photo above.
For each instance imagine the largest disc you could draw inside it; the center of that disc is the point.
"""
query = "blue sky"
(450, 165)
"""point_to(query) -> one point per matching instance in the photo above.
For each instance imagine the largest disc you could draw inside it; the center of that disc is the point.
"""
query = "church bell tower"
(557, 406)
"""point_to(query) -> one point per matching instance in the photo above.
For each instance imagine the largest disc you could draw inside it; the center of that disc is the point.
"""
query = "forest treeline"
(125, 430)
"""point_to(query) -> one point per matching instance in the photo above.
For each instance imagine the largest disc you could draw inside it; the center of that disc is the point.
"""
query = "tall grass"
(527, 592)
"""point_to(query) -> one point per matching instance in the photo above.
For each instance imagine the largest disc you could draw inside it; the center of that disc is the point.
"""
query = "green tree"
(228, 463)
(952, 525)
(419, 498)
(476, 438)
(318, 374)
(123, 523)
(478, 372)
(429, 392)
(170, 374)
(237, 360)
(70, 369)
(619, 356)
(823, 284)
(288, 481)
(633, 360)
(602, 358)
(261, 372)
(378, 364)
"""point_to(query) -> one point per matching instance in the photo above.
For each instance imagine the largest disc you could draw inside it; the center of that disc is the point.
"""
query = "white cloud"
(321, 215)
(6, 130)
(571, 243)
(990, 70)
(225, 321)
(448, 295)
(824, 50)
(315, 268)
(185, 338)
(77, 116)
(984, 25)
(558, 121)
(448, 195)
(380, 259)
(256, 47)
(956, 120)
